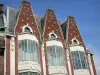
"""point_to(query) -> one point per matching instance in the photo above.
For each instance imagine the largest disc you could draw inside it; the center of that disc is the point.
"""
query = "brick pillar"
(7, 55)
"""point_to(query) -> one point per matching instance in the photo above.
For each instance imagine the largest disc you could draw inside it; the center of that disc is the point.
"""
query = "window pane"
(53, 36)
(55, 56)
(27, 29)
(78, 59)
(28, 50)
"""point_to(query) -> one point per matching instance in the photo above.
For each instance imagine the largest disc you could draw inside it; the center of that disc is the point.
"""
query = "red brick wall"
(7, 56)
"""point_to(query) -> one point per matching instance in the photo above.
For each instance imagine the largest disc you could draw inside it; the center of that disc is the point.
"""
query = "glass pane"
(28, 50)
(78, 59)
(55, 55)
(27, 29)
(53, 36)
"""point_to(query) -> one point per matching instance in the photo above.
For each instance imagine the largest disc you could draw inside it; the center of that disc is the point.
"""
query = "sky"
(85, 12)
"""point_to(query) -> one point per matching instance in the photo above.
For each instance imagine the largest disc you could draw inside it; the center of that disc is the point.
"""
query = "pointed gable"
(51, 25)
(26, 17)
(73, 31)
(12, 15)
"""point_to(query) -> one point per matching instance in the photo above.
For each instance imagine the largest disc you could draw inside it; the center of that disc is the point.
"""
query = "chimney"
(1, 8)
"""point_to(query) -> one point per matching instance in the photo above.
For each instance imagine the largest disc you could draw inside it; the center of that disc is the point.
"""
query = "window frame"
(29, 37)
(77, 60)
(74, 39)
(26, 50)
(54, 55)
(52, 33)
(27, 26)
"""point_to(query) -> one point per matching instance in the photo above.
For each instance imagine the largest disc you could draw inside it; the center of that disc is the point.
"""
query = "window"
(79, 60)
(29, 73)
(53, 36)
(28, 50)
(27, 29)
(55, 56)
(75, 41)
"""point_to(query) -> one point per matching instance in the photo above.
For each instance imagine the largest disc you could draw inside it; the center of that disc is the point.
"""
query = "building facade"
(34, 45)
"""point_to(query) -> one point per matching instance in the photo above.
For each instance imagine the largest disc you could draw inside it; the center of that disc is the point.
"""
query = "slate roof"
(64, 29)
(12, 15)
(38, 22)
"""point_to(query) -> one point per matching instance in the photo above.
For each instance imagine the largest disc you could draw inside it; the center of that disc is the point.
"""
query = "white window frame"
(54, 51)
(75, 40)
(80, 60)
(23, 28)
(53, 34)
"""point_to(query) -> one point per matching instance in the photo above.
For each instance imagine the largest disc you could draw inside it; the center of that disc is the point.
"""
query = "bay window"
(28, 50)
(55, 55)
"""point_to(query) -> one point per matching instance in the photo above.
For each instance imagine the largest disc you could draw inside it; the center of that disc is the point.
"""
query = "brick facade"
(41, 27)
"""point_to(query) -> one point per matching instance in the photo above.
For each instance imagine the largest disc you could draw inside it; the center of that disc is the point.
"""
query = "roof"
(12, 14)
(64, 29)
(38, 22)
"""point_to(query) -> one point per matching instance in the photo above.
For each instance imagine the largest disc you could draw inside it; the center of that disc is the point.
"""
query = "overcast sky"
(85, 12)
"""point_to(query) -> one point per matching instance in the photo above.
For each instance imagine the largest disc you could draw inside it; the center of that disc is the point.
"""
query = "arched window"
(79, 60)
(29, 73)
(55, 55)
(28, 50)
(75, 41)
(53, 36)
(27, 30)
